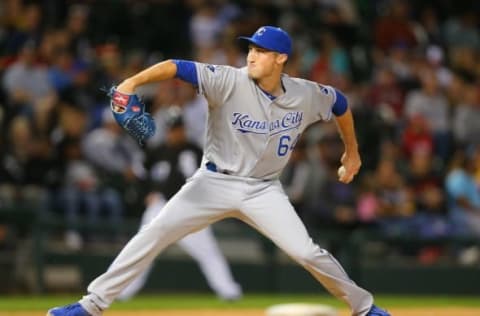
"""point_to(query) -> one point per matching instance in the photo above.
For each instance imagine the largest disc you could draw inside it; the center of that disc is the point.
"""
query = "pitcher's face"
(263, 63)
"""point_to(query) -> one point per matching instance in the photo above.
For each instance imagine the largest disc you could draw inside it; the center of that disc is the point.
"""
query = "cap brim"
(251, 40)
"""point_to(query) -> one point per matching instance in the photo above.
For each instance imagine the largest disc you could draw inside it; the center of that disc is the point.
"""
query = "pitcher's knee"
(309, 255)
(160, 229)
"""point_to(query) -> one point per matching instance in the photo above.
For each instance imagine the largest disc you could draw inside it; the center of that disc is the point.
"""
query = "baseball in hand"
(341, 171)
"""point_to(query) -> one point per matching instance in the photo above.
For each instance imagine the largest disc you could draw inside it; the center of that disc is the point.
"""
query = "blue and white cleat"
(74, 309)
(377, 311)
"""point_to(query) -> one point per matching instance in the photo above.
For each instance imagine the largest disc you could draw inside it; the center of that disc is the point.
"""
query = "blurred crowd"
(410, 70)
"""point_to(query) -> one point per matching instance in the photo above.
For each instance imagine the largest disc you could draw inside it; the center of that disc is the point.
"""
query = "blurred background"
(72, 185)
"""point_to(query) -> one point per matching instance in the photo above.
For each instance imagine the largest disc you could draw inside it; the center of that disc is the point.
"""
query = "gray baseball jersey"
(250, 135)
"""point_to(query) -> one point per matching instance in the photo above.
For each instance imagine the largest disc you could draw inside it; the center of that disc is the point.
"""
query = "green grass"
(251, 301)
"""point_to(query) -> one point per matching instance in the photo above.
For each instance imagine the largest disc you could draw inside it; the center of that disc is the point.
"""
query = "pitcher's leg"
(273, 215)
(203, 247)
(136, 285)
(180, 216)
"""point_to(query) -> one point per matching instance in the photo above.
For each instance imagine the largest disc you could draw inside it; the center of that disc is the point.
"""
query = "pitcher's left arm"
(351, 157)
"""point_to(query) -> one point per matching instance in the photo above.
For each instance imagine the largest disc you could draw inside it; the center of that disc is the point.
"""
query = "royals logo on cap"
(260, 31)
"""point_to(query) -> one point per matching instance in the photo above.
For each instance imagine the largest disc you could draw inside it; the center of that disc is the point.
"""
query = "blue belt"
(213, 167)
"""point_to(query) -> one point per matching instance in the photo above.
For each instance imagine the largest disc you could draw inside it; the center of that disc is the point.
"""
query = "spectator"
(112, 152)
(116, 157)
(463, 194)
(333, 203)
(435, 58)
(26, 83)
(332, 61)
(430, 27)
(61, 71)
(461, 31)
(466, 130)
(26, 20)
(26, 168)
(84, 193)
(76, 26)
(395, 28)
(464, 61)
(205, 28)
(396, 202)
(416, 137)
(368, 200)
(386, 96)
(430, 103)
(425, 180)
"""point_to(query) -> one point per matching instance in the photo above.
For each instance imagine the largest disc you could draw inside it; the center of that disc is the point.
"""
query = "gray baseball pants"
(206, 198)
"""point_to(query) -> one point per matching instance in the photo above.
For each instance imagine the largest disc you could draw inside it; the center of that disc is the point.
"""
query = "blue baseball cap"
(271, 38)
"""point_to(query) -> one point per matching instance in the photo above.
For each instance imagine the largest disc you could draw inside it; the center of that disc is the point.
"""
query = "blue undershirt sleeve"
(186, 71)
(340, 106)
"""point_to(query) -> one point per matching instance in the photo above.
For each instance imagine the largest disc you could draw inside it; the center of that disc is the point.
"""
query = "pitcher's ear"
(282, 58)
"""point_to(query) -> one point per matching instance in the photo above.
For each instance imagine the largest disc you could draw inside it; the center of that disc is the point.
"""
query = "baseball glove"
(129, 112)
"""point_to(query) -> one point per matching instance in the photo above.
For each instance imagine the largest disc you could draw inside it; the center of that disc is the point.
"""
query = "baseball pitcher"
(256, 115)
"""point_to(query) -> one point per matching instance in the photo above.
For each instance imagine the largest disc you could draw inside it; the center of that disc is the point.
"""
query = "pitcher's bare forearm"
(346, 129)
(351, 158)
(161, 71)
